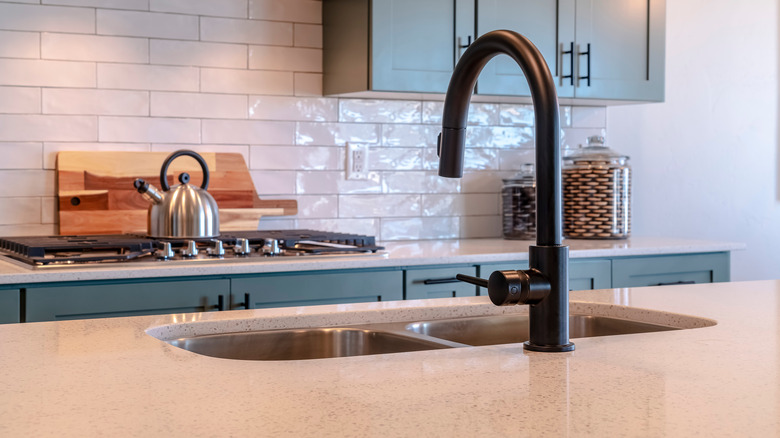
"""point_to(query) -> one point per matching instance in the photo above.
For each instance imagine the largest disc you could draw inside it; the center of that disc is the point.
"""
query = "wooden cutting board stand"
(96, 193)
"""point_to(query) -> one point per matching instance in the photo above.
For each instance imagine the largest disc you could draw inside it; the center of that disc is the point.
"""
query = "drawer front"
(9, 306)
(665, 270)
(125, 299)
(286, 290)
(438, 283)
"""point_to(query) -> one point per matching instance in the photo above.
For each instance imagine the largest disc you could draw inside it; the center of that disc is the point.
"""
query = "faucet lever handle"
(481, 282)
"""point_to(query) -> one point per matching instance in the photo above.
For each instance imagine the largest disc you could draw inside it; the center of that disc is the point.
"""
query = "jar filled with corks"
(596, 193)
(518, 204)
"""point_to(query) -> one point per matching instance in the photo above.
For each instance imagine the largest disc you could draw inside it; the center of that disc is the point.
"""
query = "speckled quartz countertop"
(109, 377)
(412, 253)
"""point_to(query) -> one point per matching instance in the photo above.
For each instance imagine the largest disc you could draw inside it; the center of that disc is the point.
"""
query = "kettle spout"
(148, 191)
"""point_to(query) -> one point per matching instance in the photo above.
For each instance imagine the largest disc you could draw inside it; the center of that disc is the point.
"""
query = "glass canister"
(518, 200)
(596, 193)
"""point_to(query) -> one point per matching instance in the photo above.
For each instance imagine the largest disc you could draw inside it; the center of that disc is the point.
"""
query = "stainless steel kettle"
(183, 210)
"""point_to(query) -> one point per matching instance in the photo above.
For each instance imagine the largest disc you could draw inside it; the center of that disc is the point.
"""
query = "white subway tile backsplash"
(293, 108)
(47, 128)
(307, 35)
(480, 182)
(147, 24)
(517, 115)
(325, 134)
(418, 182)
(299, 11)
(27, 72)
(63, 46)
(197, 53)
(573, 138)
(296, 59)
(46, 18)
(202, 148)
(214, 80)
(513, 159)
(145, 129)
(20, 100)
(308, 84)
(273, 182)
(476, 227)
(207, 106)
(499, 136)
(51, 149)
(318, 206)
(247, 132)
(18, 183)
(95, 102)
(391, 159)
(589, 117)
(380, 111)
(296, 157)
(227, 30)
(21, 155)
(420, 228)
(409, 135)
(331, 183)
(379, 205)
(20, 44)
(218, 8)
(27, 229)
(460, 204)
(20, 210)
(479, 113)
(141, 5)
(365, 226)
(147, 77)
(49, 210)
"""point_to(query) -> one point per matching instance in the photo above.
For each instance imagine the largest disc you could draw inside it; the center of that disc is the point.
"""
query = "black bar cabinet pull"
(441, 280)
(569, 52)
(586, 77)
(220, 302)
(247, 302)
(676, 282)
(481, 282)
(465, 46)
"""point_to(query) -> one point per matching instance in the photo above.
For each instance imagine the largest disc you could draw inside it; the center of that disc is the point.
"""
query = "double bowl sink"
(384, 338)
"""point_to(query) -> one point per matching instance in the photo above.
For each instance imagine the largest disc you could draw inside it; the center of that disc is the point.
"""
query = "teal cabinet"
(583, 274)
(9, 306)
(393, 45)
(101, 300)
(595, 49)
(309, 289)
(440, 282)
(667, 270)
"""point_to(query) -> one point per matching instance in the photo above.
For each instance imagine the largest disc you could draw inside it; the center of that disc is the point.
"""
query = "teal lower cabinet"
(90, 300)
(438, 282)
(668, 270)
(9, 306)
(310, 289)
(590, 274)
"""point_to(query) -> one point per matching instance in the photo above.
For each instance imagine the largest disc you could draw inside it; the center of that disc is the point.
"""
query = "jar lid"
(527, 174)
(594, 151)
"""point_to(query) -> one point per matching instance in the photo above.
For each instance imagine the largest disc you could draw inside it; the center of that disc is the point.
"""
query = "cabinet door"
(590, 274)
(305, 289)
(126, 299)
(438, 283)
(9, 306)
(536, 20)
(626, 56)
(667, 270)
(413, 43)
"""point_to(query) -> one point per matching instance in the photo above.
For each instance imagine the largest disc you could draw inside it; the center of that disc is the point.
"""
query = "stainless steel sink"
(507, 329)
(308, 343)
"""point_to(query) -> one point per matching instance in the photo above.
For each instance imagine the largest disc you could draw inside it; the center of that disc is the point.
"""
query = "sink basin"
(506, 329)
(308, 343)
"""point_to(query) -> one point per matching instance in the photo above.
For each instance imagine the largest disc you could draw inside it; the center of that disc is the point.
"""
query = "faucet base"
(527, 345)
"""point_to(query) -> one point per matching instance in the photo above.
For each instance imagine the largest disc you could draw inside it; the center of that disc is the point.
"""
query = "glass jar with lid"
(596, 193)
(518, 204)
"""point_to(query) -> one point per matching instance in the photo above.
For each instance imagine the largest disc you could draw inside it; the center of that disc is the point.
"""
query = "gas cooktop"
(97, 250)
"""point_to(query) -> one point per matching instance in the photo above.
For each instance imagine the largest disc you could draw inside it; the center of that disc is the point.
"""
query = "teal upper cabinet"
(393, 45)
(596, 49)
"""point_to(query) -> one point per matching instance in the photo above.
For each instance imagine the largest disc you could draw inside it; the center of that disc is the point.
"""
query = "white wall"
(706, 160)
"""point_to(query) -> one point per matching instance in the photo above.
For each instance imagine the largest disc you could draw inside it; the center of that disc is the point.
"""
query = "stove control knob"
(242, 246)
(166, 252)
(190, 249)
(271, 247)
(217, 250)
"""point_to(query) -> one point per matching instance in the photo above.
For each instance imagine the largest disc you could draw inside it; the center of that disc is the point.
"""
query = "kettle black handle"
(164, 171)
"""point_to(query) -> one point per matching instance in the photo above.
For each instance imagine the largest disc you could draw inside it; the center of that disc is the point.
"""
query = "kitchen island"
(110, 376)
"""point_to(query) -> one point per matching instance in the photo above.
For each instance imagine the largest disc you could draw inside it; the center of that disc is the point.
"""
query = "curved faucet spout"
(550, 314)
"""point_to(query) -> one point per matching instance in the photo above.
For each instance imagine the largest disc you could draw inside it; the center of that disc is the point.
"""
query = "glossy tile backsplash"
(240, 76)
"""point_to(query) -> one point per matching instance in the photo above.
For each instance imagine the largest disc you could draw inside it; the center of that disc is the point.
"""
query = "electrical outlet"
(357, 161)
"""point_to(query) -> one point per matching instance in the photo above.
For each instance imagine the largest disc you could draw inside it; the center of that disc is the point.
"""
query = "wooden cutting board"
(96, 193)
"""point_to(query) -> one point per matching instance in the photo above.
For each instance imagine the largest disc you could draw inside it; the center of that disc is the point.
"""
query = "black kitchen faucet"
(545, 285)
